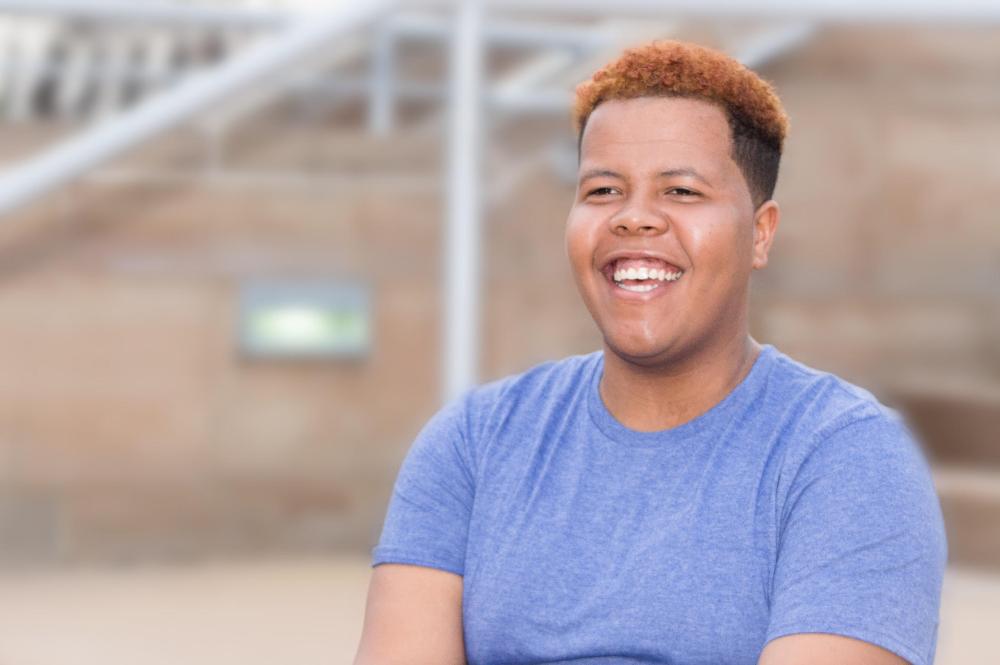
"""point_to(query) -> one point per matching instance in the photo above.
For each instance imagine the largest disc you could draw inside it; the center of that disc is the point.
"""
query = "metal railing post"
(462, 243)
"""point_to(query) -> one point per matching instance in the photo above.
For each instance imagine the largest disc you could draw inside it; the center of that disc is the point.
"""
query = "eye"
(682, 191)
(601, 191)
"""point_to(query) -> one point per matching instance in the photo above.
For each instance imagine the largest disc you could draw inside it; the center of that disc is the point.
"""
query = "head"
(679, 151)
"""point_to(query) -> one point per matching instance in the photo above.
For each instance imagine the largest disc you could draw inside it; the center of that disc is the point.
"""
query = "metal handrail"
(163, 111)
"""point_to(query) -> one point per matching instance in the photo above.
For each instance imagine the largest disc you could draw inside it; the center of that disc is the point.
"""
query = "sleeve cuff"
(390, 555)
(863, 633)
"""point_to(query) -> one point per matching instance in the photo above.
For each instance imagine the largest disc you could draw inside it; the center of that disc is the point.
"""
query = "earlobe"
(765, 225)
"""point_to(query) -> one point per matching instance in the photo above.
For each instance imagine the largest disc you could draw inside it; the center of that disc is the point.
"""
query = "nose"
(638, 219)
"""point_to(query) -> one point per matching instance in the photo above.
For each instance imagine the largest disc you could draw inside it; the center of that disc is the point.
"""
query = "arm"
(413, 617)
(825, 649)
(861, 552)
(414, 611)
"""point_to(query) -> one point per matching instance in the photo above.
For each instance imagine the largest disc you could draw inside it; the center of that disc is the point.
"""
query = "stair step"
(970, 502)
(979, 483)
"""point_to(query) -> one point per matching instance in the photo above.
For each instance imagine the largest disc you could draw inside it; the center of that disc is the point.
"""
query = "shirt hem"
(382, 555)
(898, 647)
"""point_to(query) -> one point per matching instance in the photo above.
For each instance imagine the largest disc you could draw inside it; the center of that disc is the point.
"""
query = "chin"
(640, 351)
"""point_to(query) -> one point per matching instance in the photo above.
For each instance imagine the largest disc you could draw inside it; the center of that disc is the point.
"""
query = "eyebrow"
(599, 173)
(682, 170)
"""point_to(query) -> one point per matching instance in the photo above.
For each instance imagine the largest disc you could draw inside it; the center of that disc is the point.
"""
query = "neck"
(648, 399)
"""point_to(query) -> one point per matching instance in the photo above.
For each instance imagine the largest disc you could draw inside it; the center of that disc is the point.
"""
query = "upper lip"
(636, 254)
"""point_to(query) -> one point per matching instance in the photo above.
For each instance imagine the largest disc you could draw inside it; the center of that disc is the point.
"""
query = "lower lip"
(639, 296)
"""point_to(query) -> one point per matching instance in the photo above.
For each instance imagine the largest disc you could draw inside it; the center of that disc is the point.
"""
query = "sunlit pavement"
(300, 612)
(306, 612)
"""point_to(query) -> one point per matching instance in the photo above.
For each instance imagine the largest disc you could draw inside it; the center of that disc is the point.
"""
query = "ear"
(765, 225)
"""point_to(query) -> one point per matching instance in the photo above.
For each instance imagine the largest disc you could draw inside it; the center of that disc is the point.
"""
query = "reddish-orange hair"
(671, 68)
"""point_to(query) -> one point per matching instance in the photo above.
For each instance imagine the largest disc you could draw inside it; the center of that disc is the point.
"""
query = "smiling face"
(660, 194)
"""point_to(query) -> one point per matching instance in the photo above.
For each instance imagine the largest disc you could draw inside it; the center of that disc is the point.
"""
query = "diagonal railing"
(74, 157)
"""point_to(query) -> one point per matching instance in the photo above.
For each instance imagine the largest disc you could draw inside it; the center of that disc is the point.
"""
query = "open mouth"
(641, 275)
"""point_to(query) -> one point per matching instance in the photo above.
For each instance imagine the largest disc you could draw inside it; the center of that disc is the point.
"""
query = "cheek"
(579, 241)
(722, 246)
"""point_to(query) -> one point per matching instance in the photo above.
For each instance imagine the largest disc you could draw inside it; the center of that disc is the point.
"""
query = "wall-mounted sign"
(329, 319)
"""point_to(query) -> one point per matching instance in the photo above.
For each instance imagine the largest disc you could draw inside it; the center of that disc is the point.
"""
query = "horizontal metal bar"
(523, 33)
(903, 11)
(517, 33)
(115, 11)
(255, 179)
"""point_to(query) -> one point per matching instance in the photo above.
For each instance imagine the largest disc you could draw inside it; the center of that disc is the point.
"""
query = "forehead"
(658, 131)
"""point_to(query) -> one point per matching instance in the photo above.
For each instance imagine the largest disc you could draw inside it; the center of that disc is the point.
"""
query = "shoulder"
(826, 422)
(542, 387)
(463, 428)
(855, 490)
(843, 433)
(822, 398)
(814, 405)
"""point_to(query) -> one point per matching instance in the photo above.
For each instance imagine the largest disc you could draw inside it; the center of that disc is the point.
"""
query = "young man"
(684, 495)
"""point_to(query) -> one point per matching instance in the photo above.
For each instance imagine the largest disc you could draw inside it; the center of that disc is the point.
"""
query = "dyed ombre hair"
(757, 121)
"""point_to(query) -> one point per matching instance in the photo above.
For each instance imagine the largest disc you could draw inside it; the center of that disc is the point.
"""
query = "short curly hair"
(669, 68)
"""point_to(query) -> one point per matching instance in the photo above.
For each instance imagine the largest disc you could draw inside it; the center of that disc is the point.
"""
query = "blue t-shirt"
(797, 504)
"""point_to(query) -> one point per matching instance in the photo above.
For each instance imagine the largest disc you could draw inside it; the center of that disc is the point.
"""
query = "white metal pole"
(462, 243)
(382, 96)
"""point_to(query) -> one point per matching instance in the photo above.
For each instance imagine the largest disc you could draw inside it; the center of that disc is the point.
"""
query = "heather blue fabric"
(797, 504)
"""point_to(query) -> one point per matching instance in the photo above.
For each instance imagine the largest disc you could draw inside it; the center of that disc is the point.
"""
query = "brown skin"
(825, 649)
(693, 342)
(413, 617)
(666, 361)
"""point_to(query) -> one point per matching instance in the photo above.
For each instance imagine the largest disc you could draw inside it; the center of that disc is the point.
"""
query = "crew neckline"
(699, 426)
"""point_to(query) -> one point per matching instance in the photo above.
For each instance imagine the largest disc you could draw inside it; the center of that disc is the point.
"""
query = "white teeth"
(639, 288)
(647, 273)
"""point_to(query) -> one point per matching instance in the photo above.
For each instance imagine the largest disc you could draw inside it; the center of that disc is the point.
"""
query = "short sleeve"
(862, 547)
(427, 520)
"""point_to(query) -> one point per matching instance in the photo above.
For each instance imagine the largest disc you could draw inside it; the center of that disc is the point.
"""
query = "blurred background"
(248, 248)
